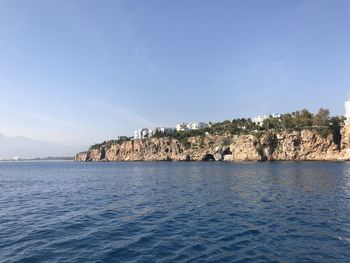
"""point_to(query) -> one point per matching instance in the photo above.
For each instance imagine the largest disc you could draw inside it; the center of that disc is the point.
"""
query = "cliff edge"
(267, 146)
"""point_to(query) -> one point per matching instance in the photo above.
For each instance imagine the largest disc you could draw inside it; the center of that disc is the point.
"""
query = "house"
(146, 133)
(165, 130)
(191, 126)
(141, 133)
(259, 120)
(181, 126)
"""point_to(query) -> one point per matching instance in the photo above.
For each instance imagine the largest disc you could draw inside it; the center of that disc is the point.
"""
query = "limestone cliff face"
(145, 150)
(279, 146)
(303, 145)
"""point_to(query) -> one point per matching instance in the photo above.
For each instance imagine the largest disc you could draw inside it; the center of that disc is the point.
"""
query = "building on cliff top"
(191, 126)
(259, 120)
(347, 110)
(141, 133)
(146, 133)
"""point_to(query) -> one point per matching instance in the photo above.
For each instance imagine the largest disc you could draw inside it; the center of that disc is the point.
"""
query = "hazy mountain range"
(24, 147)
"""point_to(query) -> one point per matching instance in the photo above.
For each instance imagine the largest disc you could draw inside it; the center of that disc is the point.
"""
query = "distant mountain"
(24, 147)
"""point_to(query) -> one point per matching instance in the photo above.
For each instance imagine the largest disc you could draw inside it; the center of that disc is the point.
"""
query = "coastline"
(304, 145)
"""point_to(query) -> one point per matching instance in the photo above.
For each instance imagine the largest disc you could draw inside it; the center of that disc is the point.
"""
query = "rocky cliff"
(279, 146)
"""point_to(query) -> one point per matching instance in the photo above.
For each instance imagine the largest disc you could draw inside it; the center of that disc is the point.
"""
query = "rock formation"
(269, 146)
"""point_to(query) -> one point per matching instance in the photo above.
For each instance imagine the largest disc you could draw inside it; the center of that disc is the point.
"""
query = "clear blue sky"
(78, 72)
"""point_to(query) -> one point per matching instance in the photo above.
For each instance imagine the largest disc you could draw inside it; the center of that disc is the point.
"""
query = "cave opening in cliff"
(208, 157)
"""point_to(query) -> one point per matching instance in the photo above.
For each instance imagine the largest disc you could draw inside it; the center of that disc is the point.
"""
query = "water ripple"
(175, 212)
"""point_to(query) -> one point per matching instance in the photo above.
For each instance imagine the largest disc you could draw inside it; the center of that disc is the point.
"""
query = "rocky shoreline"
(304, 145)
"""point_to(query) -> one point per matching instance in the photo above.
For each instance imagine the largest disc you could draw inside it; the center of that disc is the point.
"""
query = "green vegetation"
(185, 143)
(100, 146)
(226, 142)
(298, 120)
(201, 144)
(235, 126)
(97, 146)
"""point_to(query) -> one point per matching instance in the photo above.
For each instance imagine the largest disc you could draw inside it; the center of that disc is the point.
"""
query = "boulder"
(218, 156)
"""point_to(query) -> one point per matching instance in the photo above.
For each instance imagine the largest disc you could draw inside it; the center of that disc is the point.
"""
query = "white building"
(141, 133)
(164, 130)
(191, 126)
(197, 125)
(259, 120)
(181, 127)
(146, 133)
(347, 110)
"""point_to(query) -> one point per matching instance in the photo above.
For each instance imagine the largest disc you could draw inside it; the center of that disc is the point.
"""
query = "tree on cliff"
(287, 121)
(273, 123)
(322, 118)
(296, 120)
(305, 118)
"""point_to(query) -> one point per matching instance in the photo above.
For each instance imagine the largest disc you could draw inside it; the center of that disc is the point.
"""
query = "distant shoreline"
(47, 159)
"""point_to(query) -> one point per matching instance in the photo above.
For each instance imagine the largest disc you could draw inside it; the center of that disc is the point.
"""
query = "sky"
(76, 72)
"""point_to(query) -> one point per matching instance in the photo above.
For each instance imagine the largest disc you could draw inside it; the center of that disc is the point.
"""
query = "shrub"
(323, 132)
(185, 143)
(201, 143)
(226, 142)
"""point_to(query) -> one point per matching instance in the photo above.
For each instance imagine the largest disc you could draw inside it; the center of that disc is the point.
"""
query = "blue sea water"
(175, 212)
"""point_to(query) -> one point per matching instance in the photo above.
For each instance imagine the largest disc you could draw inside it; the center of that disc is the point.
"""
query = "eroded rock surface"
(273, 146)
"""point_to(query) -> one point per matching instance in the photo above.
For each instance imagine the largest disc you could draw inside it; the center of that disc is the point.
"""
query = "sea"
(174, 212)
